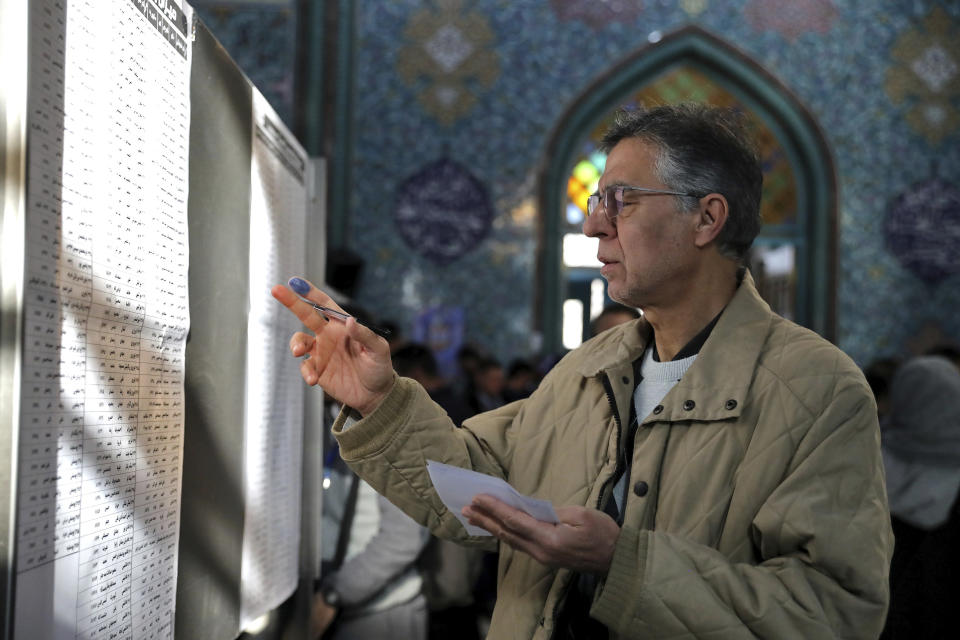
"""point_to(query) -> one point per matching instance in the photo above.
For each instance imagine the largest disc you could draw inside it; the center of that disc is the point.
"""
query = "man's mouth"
(607, 265)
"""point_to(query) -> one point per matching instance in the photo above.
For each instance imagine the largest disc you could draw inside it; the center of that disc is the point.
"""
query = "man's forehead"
(631, 162)
(631, 151)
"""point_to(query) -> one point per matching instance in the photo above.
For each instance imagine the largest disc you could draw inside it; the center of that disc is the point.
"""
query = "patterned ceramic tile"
(261, 38)
(447, 49)
(926, 75)
(598, 13)
(923, 230)
(694, 7)
(836, 57)
(791, 19)
(443, 211)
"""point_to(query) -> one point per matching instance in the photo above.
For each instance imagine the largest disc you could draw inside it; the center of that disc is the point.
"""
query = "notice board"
(153, 436)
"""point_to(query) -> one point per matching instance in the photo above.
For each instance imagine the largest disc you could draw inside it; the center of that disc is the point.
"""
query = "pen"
(342, 317)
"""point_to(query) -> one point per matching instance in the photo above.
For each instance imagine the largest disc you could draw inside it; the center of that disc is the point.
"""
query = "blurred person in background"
(415, 360)
(488, 385)
(921, 455)
(611, 316)
(522, 380)
(879, 375)
(468, 358)
(394, 335)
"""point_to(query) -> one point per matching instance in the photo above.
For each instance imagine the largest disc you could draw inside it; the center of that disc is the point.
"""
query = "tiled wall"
(260, 35)
(476, 87)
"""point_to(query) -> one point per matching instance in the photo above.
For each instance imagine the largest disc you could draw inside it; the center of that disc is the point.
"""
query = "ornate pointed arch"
(780, 111)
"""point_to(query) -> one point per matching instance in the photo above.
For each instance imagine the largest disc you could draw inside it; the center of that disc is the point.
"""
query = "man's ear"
(711, 217)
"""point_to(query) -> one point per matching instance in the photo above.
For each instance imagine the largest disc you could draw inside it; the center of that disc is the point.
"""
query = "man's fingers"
(304, 312)
(583, 540)
(316, 321)
(496, 528)
(479, 518)
(308, 372)
(305, 289)
(502, 518)
(507, 533)
(309, 316)
(301, 344)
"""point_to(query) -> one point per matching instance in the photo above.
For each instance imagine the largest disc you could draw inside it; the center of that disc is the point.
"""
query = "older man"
(716, 468)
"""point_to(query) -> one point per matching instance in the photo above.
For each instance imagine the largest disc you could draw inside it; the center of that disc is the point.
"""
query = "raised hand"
(347, 360)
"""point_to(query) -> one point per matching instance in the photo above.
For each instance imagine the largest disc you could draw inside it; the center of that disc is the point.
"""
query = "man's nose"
(597, 224)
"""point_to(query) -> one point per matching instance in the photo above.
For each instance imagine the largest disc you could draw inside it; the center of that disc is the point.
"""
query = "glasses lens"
(592, 202)
(614, 202)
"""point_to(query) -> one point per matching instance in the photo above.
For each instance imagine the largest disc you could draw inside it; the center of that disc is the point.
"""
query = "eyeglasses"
(617, 192)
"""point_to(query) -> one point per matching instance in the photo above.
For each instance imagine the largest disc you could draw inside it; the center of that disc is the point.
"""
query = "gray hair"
(701, 149)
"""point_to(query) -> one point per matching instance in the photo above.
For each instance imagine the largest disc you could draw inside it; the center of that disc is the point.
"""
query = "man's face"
(490, 380)
(648, 251)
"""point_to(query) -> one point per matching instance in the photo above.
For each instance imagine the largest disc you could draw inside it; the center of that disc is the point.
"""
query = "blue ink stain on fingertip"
(299, 285)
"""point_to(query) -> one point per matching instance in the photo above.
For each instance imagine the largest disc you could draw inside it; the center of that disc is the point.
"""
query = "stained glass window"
(773, 259)
(686, 84)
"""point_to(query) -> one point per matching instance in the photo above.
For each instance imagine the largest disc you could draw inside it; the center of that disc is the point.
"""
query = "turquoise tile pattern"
(881, 78)
(261, 38)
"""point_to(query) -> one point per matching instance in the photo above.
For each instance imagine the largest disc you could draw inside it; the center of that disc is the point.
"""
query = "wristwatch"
(330, 596)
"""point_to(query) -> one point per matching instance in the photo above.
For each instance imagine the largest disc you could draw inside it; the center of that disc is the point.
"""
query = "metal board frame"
(13, 167)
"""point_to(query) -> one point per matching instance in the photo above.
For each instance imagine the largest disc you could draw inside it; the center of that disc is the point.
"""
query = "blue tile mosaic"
(261, 37)
(848, 67)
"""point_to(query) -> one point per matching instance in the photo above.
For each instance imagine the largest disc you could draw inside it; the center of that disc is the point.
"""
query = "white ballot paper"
(457, 487)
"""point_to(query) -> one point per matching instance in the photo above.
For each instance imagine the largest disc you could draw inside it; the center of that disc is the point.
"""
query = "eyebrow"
(615, 183)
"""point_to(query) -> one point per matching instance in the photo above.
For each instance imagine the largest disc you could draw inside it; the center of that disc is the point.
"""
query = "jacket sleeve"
(390, 447)
(822, 539)
(391, 551)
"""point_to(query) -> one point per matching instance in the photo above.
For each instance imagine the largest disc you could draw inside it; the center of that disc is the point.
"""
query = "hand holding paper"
(573, 537)
(457, 488)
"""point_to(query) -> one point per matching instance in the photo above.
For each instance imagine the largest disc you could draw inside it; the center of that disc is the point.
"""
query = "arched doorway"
(794, 258)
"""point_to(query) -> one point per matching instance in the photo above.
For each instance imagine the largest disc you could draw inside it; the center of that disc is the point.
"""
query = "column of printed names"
(107, 318)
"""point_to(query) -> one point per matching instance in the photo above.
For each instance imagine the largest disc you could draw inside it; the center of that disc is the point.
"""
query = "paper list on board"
(106, 317)
(273, 430)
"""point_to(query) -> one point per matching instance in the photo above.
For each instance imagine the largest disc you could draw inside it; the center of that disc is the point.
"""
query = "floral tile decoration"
(598, 14)
(447, 58)
(482, 84)
(791, 19)
(925, 76)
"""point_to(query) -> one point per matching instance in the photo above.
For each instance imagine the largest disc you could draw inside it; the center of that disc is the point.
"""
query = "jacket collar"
(615, 347)
(718, 380)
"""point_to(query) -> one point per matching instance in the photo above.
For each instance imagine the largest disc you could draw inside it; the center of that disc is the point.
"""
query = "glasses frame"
(618, 190)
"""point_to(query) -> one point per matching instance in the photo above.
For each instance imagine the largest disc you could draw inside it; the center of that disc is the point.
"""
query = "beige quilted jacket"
(766, 514)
